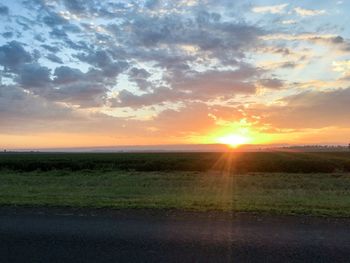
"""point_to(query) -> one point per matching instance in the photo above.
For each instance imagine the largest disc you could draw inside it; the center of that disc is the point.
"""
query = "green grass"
(272, 182)
(277, 193)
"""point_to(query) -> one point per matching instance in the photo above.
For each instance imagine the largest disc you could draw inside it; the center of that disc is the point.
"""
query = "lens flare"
(233, 140)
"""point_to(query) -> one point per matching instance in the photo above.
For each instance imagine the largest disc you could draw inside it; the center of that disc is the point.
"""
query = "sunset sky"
(82, 73)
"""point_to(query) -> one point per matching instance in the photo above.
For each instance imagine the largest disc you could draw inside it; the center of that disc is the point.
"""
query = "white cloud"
(306, 37)
(341, 66)
(289, 22)
(273, 9)
(308, 12)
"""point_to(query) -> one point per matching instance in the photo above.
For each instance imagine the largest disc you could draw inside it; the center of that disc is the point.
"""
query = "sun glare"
(233, 140)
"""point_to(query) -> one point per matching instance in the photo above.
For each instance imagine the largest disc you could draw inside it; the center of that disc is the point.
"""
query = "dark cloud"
(7, 34)
(271, 83)
(25, 23)
(102, 60)
(54, 58)
(83, 89)
(128, 99)
(99, 58)
(338, 41)
(140, 76)
(53, 19)
(75, 5)
(81, 93)
(39, 38)
(13, 55)
(215, 36)
(4, 10)
(152, 4)
(136, 73)
(64, 75)
(53, 49)
(34, 76)
(71, 28)
(58, 33)
(214, 83)
(202, 86)
(76, 45)
(135, 35)
(288, 64)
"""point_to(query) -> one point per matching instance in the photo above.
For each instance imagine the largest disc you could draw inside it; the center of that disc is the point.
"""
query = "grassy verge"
(281, 193)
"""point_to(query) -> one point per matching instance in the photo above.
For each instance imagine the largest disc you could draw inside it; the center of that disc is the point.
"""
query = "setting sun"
(234, 140)
(255, 79)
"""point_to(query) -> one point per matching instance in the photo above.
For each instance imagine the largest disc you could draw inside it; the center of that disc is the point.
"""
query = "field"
(278, 183)
(323, 162)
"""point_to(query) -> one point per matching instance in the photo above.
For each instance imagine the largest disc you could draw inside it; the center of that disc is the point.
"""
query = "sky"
(83, 73)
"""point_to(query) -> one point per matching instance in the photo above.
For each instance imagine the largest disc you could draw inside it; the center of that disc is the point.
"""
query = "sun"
(233, 140)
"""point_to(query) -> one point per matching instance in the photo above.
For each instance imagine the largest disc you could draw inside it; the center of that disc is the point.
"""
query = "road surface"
(82, 235)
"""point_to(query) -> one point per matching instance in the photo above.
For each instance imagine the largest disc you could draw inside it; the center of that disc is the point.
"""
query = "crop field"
(322, 162)
(274, 183)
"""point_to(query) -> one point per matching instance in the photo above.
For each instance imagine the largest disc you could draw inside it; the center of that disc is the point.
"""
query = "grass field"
(322, 162)
(255, 182)
(313, 194)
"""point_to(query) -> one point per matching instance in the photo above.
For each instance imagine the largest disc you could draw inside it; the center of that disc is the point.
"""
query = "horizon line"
(175, 147)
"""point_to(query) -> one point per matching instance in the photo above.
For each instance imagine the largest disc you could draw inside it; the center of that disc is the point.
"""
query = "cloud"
(58, 33)
(33, 76)
(341, 66)
(223, 40)
(20, 110)
(179, 57)
(53, 19)
(308, 12)
(54, 58)
(303, 36)
(309, 109)
(13, 55)
(83, 89)
(109, 49)
(289, 22)
(4, 10)
(53, 49)
(102, 59)
(203, 86)
(212, 84)
(64, 75)
(7, 34)
(271, 83)
(273, 9)
(160, 95)
(75, 5)
(140, 77)
(334, 41)
(84, 94)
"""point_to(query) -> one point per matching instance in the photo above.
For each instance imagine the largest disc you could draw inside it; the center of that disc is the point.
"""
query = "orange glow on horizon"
(234, 140)
(236, 134)
(233, 136)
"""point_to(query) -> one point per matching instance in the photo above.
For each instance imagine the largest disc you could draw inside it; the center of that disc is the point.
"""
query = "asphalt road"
(70, 235)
